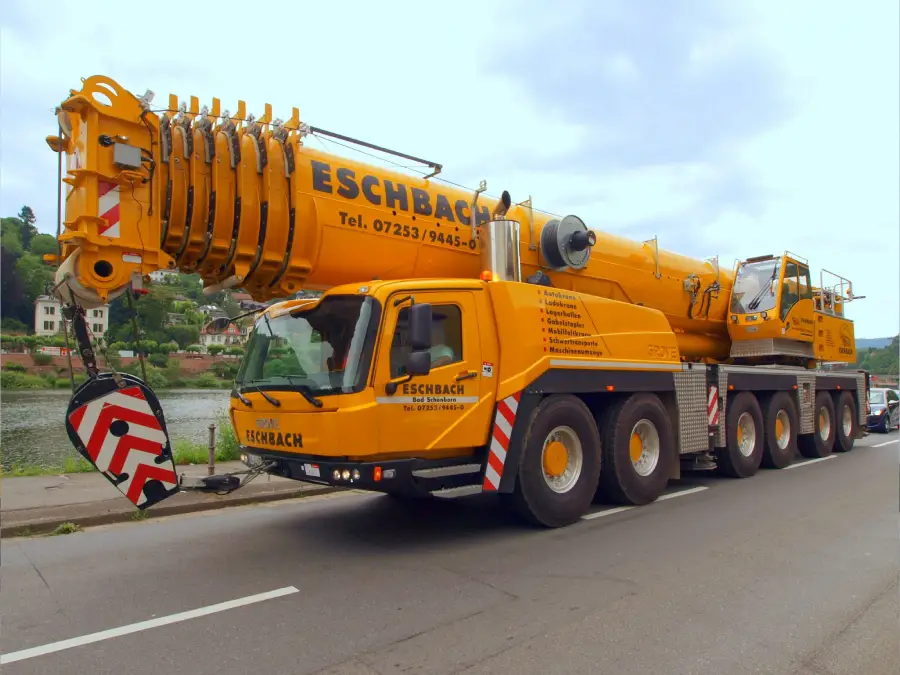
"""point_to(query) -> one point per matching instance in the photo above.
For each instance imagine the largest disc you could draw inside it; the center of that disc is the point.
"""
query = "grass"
(67, 528)
(70, 465)
(183, 452)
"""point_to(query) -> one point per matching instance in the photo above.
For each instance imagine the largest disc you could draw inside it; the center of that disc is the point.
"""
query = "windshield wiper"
(243, 399)
(758, 298)
(271, 399)
(305, 391)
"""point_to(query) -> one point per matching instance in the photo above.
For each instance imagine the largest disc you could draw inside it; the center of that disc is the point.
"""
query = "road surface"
(791, 571)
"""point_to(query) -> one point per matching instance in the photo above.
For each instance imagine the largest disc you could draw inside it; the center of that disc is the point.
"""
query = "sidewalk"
(35, 504)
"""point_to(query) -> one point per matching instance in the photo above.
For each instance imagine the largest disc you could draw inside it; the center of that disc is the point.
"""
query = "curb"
(161, 511)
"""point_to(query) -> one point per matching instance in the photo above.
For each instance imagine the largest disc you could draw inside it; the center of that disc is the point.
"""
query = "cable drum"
(567, 243)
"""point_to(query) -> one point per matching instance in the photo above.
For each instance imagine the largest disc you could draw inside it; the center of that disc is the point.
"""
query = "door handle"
(466, 375)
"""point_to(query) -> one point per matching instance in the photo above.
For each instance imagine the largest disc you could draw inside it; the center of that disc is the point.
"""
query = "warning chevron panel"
(120, 434)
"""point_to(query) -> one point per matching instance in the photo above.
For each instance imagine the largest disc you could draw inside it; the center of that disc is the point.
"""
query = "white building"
(48, 317)
(162, 276)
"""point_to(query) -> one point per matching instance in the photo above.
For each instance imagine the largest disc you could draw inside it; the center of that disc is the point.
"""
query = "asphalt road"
(788, 572)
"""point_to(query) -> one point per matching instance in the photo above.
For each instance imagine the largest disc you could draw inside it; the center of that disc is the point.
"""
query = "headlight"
(879, 412)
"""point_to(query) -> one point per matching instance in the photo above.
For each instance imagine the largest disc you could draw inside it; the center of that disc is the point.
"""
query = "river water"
(33, 427)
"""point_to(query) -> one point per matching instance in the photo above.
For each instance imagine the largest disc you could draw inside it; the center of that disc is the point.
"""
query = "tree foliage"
(884, 361)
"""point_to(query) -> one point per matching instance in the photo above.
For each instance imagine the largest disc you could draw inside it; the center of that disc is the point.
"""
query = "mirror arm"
(391, 387)
(241, 316)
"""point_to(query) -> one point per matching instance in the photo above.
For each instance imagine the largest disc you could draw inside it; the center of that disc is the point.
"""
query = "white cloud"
(710, 169)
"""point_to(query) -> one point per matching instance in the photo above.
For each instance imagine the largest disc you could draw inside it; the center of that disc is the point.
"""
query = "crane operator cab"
(777, 316)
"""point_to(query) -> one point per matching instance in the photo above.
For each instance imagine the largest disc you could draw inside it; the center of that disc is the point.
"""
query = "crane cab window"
(446, 338)
(805, 287)
(790, 288)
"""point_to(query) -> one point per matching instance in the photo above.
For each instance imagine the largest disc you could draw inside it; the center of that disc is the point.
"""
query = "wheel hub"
(562, 459)
(644, 447)
(746, 434)
(556, 458)
(824, 423)
(782, 429)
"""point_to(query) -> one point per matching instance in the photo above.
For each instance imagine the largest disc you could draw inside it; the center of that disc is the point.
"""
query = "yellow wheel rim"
(556, 458)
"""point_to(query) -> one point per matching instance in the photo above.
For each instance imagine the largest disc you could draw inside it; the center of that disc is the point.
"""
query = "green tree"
(27, 228)
(43, 244)
(183, 335)
(36, 277)
(884, 361)
(215, 350)
(11, 235)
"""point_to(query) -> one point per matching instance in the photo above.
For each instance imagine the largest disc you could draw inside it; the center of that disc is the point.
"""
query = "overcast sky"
(726, 128)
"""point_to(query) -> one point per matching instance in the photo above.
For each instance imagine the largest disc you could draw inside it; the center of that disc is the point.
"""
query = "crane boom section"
(246, 203)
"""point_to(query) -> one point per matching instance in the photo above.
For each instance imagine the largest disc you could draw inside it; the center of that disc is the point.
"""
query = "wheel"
(781, 427)
(887, 421)
(560, 463)
(638, 450)
(845, 413)
(744, 438)
(820, 442)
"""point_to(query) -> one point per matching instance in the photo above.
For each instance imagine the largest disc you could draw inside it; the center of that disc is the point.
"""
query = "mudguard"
(116, 423)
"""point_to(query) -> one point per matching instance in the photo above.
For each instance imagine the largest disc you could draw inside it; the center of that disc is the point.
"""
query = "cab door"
(797, 306)
(447, 410)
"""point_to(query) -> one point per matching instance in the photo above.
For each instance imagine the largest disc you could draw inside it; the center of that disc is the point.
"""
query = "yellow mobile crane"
(462, 344)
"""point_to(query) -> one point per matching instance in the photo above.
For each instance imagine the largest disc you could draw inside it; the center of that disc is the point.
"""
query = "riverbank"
(184, 452)
(173, 371)
(35, 441)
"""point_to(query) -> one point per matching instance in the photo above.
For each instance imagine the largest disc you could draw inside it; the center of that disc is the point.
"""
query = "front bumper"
(875, 421)
(410, 475)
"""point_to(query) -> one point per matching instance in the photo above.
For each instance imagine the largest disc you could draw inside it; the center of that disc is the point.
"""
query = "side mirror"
(217, 326)
(420, 327)
(419, 363)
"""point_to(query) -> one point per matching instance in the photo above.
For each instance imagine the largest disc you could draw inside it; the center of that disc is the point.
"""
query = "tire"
(744, 438)
(638, 425)
(845, 415)
(782, 423)
(814, 445)
(557, 420)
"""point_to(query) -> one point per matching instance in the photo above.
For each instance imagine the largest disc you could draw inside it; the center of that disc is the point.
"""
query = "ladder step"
(460, 491)
(455, 470)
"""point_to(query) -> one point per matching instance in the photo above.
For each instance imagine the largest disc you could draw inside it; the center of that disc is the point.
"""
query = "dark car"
(884, 410)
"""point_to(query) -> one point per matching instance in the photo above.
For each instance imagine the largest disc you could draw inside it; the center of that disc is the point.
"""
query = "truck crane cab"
(777, 316)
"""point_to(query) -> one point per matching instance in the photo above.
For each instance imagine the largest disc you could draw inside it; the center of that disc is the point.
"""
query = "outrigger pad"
(122, 432)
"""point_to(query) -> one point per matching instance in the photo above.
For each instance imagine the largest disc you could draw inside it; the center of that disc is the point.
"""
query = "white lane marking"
(607, 512)
(620, 509)
(810, 461)
(682, 493)
(881, 445)
(143, 625)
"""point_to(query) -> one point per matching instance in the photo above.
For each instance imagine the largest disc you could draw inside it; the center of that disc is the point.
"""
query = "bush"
(16, 380)
(14, 367)
(41, 359)
(206, 380)
(158, 360)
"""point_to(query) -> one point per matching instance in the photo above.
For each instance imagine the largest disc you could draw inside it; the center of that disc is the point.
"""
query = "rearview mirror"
(217, 326)
(420, 327)
(419, 363)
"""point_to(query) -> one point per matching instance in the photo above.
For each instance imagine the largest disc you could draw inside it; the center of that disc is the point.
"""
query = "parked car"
(884, 409)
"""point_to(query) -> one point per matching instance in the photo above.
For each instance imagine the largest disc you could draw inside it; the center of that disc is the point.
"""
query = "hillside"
(872, 343)
(882, 361)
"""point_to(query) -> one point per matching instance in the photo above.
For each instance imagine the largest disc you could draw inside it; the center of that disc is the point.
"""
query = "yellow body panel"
(835, 339)
(448, 412)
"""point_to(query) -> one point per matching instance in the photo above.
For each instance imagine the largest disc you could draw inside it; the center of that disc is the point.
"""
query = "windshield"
(876, 397)
(325, 350)
(753, 288)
